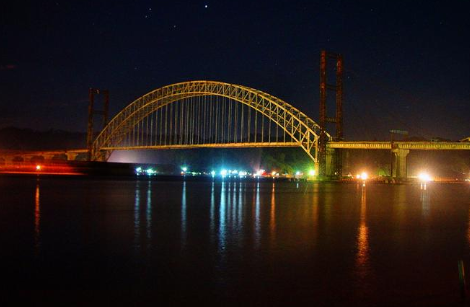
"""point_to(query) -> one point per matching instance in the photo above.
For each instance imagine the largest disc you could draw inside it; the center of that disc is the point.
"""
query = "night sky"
(407, 63)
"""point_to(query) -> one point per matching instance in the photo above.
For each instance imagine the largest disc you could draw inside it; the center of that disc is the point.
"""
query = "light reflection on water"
(400, 211)
(37, 218)
(246, 239)
(183, 215)
(362, 255)
(257, 222)
(148, 214)
(272, 215)
(425, 200)
(142, 216)
(137, 238)
(222, 219)
(212, 211)
(315, 213)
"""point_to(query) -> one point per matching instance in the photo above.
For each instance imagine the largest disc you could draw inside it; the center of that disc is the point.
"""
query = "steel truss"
(198, 121)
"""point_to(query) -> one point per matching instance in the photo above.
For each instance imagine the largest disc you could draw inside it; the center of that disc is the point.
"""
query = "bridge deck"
(364, 145)
(384, 145)
(222, 145)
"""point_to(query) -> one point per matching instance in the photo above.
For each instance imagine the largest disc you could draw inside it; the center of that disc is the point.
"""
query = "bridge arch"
(304, 132)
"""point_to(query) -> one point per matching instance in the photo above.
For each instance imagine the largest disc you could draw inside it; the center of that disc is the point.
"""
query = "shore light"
(364, 176)
(311, 172)
(223, 173)
(424, 177)
(38, 167)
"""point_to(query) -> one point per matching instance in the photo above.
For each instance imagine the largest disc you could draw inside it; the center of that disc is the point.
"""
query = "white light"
(297, 173)
(234, 172)
(424, 177)
(223, 173)
(213, 173)
(184, 169)
(150, 171)
(260, 172)
(364, 176)
(138, 170)
(311, 172)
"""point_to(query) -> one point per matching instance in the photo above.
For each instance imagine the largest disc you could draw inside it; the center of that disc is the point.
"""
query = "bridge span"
(404, 145)
(10, 156)
(197, 114)
(400, 150)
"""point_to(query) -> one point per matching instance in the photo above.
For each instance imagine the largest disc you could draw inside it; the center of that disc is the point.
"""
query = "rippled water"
(84, 240)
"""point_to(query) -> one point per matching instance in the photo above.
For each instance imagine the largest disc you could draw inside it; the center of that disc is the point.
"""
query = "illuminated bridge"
(213, 114)
(207, 114)
(400, 150)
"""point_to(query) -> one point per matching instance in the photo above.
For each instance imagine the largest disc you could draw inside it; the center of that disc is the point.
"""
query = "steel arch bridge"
(207, 114)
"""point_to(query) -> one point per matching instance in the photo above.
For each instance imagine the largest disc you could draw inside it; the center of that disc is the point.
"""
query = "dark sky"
(407, 63)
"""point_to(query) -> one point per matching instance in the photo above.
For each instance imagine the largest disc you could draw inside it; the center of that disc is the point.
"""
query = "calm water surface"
(82, 241)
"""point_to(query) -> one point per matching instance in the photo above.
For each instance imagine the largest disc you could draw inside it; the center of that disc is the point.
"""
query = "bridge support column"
(399, 167)
(71, 156)
(330, 162)
(48, 157)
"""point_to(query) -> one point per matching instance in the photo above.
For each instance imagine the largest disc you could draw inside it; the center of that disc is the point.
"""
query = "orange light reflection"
(37, 218)
(362, 255)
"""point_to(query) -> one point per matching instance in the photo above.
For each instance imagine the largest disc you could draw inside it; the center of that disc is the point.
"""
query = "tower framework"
(324, 119)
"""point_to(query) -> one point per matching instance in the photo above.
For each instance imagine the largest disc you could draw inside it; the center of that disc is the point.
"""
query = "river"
(83, 240)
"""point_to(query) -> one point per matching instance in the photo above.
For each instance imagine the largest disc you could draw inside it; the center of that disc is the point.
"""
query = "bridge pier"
(48, 157)
(71, 156)
(330, 162)
(399, 170)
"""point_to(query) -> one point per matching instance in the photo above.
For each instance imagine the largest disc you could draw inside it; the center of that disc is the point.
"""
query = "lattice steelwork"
(207, 114)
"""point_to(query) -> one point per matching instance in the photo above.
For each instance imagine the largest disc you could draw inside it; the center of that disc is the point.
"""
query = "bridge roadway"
(9, 155)
(400, 149)
(404, 145)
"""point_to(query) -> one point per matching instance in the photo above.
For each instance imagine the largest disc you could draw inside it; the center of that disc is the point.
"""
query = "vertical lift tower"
(92, 111)
(331, 160)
